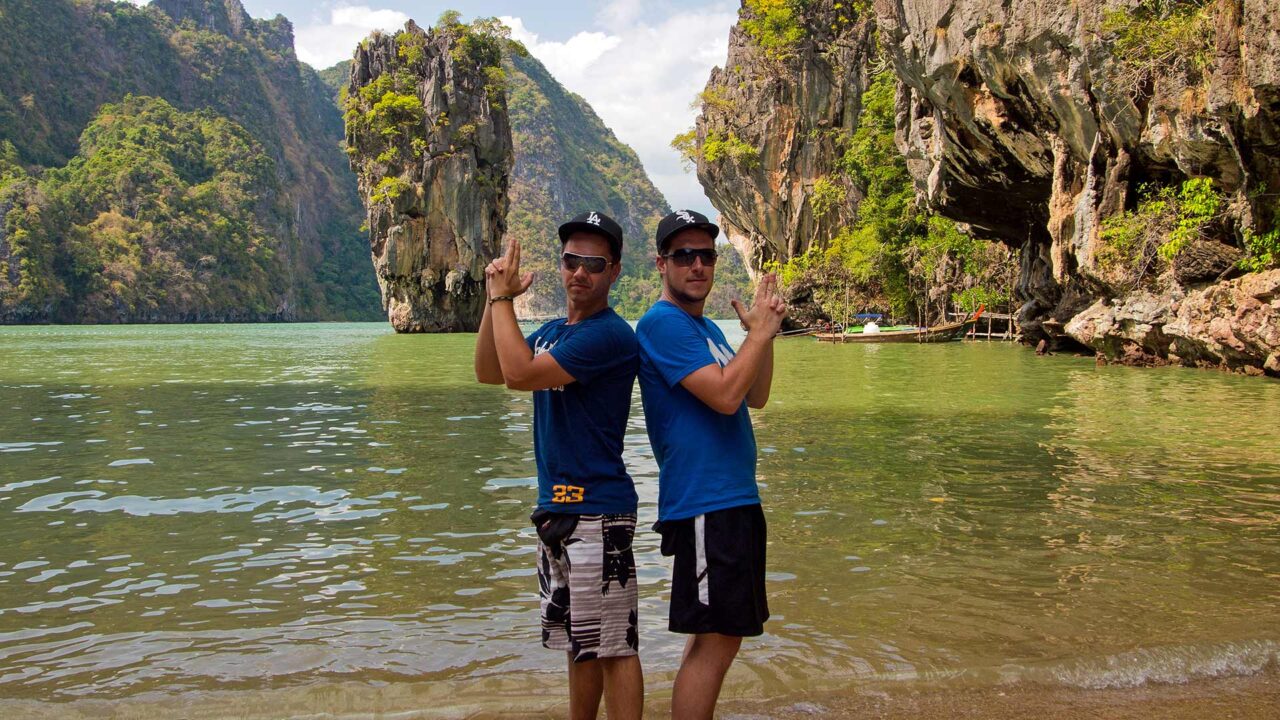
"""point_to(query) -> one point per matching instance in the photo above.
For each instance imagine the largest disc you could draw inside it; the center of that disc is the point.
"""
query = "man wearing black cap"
(696, 392)
(581, 369)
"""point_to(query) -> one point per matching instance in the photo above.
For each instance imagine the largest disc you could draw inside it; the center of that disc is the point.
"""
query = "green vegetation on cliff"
(896, 256)
(1159, 37)
(197, 55)
(1262, 250)
(155, 217)
(715, 147)
(778, 27)
(1140, 243)
(774, 25)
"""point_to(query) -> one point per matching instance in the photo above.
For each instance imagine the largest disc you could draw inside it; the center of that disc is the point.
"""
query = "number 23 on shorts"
(566, 494)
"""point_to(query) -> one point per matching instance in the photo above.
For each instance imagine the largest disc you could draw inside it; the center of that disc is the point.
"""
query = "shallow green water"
(251, 508)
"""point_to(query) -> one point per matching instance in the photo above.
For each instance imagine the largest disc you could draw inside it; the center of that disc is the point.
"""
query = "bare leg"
(586, 683)
(623, 687)
(707, 658)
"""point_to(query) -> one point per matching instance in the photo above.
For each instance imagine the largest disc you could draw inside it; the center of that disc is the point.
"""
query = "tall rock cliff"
(795, 147)
(65, 60)
(1131, 149)
(1128, 149)
(429, 140)
(771, 128)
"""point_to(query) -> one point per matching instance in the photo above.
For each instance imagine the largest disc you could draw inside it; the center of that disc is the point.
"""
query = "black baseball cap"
(596, 223)
(683, 220)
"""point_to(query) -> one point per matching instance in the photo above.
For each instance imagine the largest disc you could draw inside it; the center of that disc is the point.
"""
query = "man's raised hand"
(767, 308)
(503, 274)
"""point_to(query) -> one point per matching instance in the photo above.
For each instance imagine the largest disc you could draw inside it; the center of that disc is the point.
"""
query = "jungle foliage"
(1159, 37)
(310, 210)
(156, 217)
(895, 257)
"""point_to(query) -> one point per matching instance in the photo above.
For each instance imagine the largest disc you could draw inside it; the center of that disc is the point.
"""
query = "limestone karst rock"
(430, 142)
(794, 138)
(1023, 120)
(791, 114)
(1036, 124)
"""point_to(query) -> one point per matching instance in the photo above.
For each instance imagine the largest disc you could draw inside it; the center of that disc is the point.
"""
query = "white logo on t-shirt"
(541, 346)
(721, 353)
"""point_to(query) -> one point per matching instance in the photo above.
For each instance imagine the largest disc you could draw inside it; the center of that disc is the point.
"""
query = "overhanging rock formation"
(1024, 121)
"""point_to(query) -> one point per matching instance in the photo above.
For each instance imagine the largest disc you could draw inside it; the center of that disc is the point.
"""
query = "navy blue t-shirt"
(578, 428)
(706, 460)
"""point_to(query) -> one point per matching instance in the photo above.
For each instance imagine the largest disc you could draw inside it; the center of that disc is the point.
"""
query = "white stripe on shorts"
(700, 551)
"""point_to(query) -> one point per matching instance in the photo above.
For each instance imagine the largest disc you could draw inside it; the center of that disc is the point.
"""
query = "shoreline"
(1246, 697)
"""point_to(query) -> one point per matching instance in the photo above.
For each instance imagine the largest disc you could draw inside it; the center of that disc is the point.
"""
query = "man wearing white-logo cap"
(696, 392)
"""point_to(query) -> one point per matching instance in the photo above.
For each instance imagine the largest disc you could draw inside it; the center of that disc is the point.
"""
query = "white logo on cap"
(594, 219)
(685, 216)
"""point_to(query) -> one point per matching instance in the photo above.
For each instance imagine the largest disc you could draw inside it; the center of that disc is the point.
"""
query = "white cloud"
(323, 44)
(570, 60)
(620, 13)
(640, 77)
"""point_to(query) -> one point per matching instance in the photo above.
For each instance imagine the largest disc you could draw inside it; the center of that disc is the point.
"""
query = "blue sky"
(639, 64)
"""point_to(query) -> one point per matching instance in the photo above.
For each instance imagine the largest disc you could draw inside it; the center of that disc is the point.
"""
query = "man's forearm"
(514, 355)
(724, 389)
(758, 395)
(488, 369)
(742, 371)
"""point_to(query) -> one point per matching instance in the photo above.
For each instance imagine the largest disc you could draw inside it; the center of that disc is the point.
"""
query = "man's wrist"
(502, 298)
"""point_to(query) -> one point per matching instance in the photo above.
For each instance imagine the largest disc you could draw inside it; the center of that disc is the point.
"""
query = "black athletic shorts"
(717, 585)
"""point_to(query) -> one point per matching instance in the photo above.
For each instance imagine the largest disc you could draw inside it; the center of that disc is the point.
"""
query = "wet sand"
(1255, 697)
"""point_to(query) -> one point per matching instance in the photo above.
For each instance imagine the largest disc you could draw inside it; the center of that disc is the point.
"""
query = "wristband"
(502, 298)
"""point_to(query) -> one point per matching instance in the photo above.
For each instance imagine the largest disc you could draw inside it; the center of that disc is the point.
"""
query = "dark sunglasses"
(684, 257)
(593, 263)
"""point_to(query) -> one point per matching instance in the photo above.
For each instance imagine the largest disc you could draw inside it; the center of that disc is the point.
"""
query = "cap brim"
(570, 228)
(710, 228)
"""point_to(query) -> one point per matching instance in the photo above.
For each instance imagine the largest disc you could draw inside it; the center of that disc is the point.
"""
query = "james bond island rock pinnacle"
(430, 142)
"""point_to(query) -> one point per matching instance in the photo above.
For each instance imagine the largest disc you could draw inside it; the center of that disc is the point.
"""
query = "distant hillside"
(226, 93)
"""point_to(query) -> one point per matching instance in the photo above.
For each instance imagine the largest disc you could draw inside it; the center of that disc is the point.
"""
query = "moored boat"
(945, 332)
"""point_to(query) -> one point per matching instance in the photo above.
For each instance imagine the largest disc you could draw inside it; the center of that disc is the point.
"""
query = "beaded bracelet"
(502, 298)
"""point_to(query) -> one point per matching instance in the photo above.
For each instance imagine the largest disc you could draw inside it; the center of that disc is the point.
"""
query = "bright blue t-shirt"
(706, 460)
(578, 428)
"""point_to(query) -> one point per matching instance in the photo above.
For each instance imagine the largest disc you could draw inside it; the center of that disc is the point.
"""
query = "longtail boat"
(945, 332)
